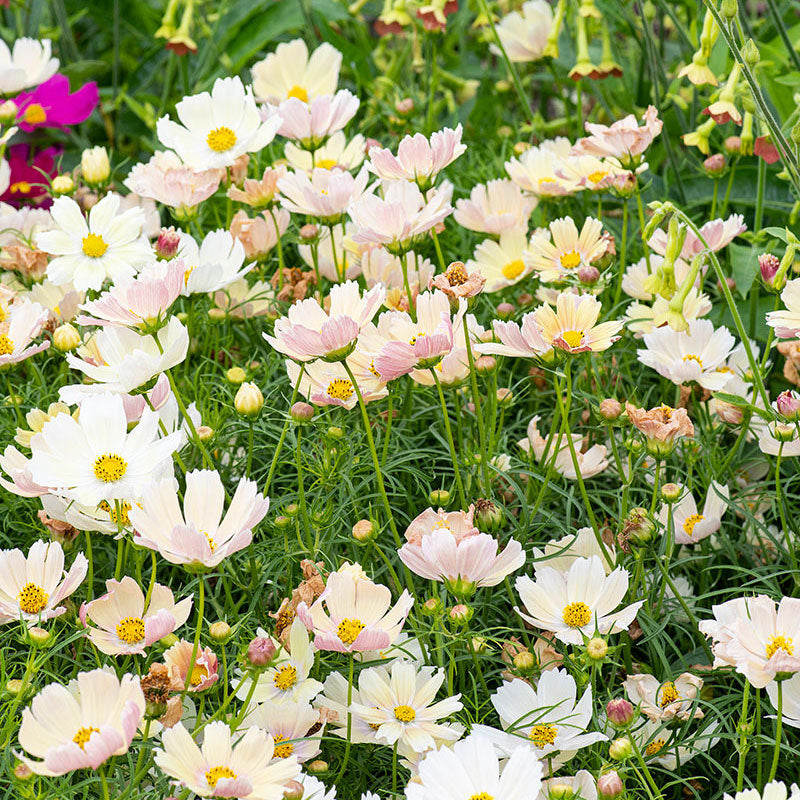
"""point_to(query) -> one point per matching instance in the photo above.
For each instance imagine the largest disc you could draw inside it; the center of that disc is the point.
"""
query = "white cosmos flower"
(291, 72)
(95, 458)
(315, 789)
(334, 697)
(86, 518)
(471, 769)
(20, 328)
(524, 33)
(500, 262)
(791, 702)
(120, 359)
(562, 553)
(217, 262)
(218, 127)
(689, 526)
(288, 723)
(536, 170)
(668, 748)
(111, 245)
(28, 64)
(578, 603)
(548, 721)
(582, 785)
(774, 790)
(693, 355)
(665, 699)
(33, 585)
(399, 705)
(786, 321)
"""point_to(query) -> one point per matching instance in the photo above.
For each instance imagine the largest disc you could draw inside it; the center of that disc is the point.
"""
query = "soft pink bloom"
(83, 724)
(308, 332)
(141, 302)
(204, 672)
(494, 208)
(33, 585)
(591, 462)
(259, 192)
(259, 234)
(326, 193)
(421, 344)
(417, 158)
(14, 464)
(24, 324)
(458, 524)
(50, 105)
(399, 218)
(166, 179)
(354, 614)
(155, 398)
(378, 265)
(312, 123)
(123, 625)
(718, 233)
(624, 140)
(518, 341)
(786, 321)
(198, 535)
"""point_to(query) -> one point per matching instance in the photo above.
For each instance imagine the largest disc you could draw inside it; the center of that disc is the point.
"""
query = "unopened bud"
(750, 53)
(485, 364)
(610, 409)
(637, 530)
(488, 516)
(62, 184)
(439, 497)
(505, 310)
(620, 712)
(167, 641)
(8, 112)
(610, 785)
(460, 614)
(309, 232)
(729, 9)
(318, 767)
(22, 772)
(597, 648)
(294, 790)
(714, 165)
(95, 166)
(671, 492)
(433, 605)
(249, 400)
(788, 405)
(236, 376)
(301, 412)
(39, 637)
(783, 433)
(66, 337)
(260, 651)
(733, 144)
(167, 243)
(768, 264)
(588, 275)
(292, 510)
(620, 749)
(364, 530)
(502, 86)
(14, 687)
(505, 397)
(219, 631)
(524, 662)
(404, 106)
(205, 433)
(282, 522)
(335, 432)
(477, 644)
(559, 791)
(521, 147)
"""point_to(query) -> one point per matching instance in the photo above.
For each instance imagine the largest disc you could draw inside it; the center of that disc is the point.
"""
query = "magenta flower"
(29, 181)
(50, 105)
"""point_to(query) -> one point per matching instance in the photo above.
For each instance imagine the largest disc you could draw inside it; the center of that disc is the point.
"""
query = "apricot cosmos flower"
(291, 72)
(573, 325)
(624, 140)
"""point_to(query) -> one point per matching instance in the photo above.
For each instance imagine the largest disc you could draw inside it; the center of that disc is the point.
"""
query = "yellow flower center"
(20, 187)
(3, 314)
(597, 176)
(283, 750)
(349, 629)
(326, 163)
(32, 598)
(221, 139)
(211, 543)
(34, 114)
(669, 694)
(199, 674)
(6, 345)
(690, 522)
(456, 274)
(285, 677)
(340, 389)
(373, 370)
(572, 338)
(779, 642)
(546, 180)
(481, 796)
(693, 357)
(83, 735)
(118, 513)
(513, 269)
(131, 630)
(655, 746)
(404, 713)
(542, 735)
(576, 615)
(571, 259)
(110, 467)
(299, 92)
(93, 245)
(215, 773)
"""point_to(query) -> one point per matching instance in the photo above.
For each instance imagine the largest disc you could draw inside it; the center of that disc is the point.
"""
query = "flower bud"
(637, 530)
(505, 397)
(505, 310)
(301, 412)
(788, 405)
(364, 530)
(219, 631)
(714, 165)
(502, 86)
(610, 409)
(588, 275)
(477, 644)
(488, 516)
(521, 147)
(485, 364)
(524, 662)
(335, 432)
(292, 509)
(750, 53)
(460, 614)
(783, 433)
(404, 106)
(168, 640)
(439, 497)
(62, 184)
(236, 376)
(167, 243)
(294, 790)
(733, 144)
(249, 400)
(8, 112)
(670, 492)
(768, 264)
(282, 522)
(66, 338)
(433, 605)
(597, 648)
(505, 131)
(39, 637)
(620, 712)
(729, 9)
(205, 433)
(560, 791)
(95, 166)
(14, 687)
(260, 651)
(610, 785)
(620, 749)
(309, 232)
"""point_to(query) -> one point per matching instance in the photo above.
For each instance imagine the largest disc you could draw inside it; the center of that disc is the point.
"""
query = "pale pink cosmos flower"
(166, 179)
(199, 535)
(354, 614)
(325, 194)
(259, 234)
(14, 464)
(378, 265)
(720, 628)
(522, 340)
(400, 218)
(786, 321)
(665, 700)
(81, 725)
(421, 344)
(203, 674)
(718, 233)
(459, 524)
(418, 159)
(242, 301)
(572, 325)
(33, 585)
(259, 192)
(24, 324)
(141, 302)
(121, 623)
(624, 140)
(494, 208)
(309, 332)
(312, 123)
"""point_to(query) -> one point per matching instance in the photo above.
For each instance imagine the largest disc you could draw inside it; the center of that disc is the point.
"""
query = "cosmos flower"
(81, 725)
(774, 790)
(312, 123)
(289, 723)
(624, 140)
(536, 170)
(564, 251)
(29, 63)
(560, 554)
(336, 153)
(501, 263)
(203, 674)
(33, 585)
(217, 262)
(524, 33)
(786, 321)
(665, 700)
(50, 105)
(717, 233)
(23, 325)
(325, 194)
(573, 327)
(689, 526)
(495, 207)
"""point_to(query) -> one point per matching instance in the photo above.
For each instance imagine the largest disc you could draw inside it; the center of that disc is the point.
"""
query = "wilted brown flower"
(309, 589)
(29, 262)
(662, 424)
(455, 282)
(296, 283)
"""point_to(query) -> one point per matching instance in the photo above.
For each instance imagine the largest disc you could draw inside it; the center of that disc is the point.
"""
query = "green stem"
(742, 737)
(279, 446)
(476, 401)
(185, 414)
(623, 252)
(349, 720)
(448, 431)
(778, 731)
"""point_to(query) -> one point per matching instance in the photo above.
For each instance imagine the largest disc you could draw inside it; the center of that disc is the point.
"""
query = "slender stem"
(742, 737)
(279, 446)
(104, 783)
(638, 753)
(778, 731)
(476, 401)
(448, 431)
(301, 495)
(623, 252)
(349, 720)
(90, 570)
(185, 414)
(201, 602)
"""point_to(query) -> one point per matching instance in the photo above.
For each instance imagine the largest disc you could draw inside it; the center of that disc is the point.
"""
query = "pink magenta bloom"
(32, 586)
(50, 105)
(312, 123)
(326, 194)
(625, 140)
(718, 233)
(354, 614)
(308, 332)
(83, 724)
(417, 158)
(24, 324)
(29, 180)
(518, 341)
(204, 671)
(199, 535)
(399, 218)
(421, 344)
(141, 302)
(166, 179)
(124, 625)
